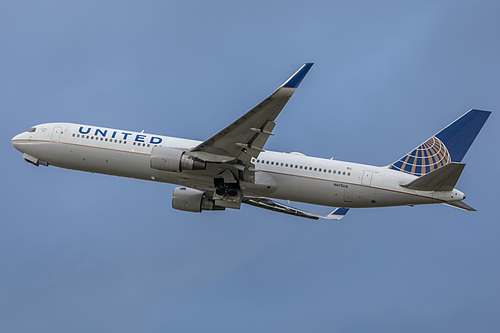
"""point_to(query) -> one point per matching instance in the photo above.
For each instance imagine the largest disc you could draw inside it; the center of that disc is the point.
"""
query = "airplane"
(232, 167)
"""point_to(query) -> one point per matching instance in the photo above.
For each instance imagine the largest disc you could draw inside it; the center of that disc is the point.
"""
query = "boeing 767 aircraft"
(232, 167)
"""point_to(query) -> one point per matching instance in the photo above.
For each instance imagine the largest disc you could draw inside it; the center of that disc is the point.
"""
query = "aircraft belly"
(113, 162)
(333, 193)
(314, 191)
(96, 160)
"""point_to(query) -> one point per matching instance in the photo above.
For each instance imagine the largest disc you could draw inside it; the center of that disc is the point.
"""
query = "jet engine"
(191, 200)
(173, 159)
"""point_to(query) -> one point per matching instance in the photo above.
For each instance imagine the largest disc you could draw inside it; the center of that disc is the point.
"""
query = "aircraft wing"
(265, 203)
(245, 138)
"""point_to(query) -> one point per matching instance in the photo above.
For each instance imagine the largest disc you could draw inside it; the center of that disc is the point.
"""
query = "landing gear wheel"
(232, 190)
(220, 190)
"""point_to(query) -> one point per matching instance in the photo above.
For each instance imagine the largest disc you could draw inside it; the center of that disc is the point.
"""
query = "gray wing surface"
(245, 138)
(269, 204)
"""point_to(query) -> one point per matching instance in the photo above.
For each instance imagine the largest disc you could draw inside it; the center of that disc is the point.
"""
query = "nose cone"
(15, 141)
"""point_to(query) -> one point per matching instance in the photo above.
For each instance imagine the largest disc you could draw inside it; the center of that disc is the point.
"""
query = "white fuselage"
(294, 176)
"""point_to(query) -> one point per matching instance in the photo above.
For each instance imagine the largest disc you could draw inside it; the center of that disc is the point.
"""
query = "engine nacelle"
(191, 200)
(173, 159)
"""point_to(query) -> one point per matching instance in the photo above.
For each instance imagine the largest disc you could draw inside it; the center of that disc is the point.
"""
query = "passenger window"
(343, 173)
(348, 173)
(272, 163)
(267, 162)
(319, 170)
(315, 169)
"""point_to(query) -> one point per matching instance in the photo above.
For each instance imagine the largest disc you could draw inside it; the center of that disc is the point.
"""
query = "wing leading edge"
(245, 138)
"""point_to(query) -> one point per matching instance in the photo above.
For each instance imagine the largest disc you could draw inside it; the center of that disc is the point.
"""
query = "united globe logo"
(430, 155)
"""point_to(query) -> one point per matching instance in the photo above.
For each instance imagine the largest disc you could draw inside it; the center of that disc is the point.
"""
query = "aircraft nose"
(15, 141)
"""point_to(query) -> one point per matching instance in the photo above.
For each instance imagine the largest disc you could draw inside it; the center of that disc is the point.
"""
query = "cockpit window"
(31, 130)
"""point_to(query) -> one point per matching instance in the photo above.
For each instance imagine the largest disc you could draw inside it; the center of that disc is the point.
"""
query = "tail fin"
(449, 145)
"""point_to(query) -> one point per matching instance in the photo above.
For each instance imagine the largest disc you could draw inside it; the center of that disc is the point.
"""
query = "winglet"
(337, 214)
(296, 79)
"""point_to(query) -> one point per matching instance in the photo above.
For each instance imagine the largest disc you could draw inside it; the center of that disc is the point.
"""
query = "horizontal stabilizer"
(443, 179)
(460, 205)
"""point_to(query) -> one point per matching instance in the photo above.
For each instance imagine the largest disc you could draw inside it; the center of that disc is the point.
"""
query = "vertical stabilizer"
(449, 145)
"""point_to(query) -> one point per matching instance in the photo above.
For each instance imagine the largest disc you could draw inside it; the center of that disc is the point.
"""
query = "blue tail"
(449, 145)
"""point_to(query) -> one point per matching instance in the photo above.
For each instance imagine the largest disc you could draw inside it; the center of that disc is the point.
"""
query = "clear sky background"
(92, 253)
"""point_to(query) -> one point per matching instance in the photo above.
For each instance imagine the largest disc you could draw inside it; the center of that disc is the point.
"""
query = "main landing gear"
(221, 188)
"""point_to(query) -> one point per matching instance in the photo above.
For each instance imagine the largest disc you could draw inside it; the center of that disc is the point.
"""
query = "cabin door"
(56, 134)
(367, 178)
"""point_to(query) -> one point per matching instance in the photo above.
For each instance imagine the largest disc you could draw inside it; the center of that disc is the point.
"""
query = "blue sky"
(82, 252)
